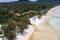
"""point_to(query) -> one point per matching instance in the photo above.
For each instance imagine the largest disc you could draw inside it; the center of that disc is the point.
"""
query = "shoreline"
(46, 30)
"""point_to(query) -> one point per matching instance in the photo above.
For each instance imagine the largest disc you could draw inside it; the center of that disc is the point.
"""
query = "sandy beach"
(47, 31)
(44, 28)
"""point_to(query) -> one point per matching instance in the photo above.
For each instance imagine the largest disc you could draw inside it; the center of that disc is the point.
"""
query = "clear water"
(48, 25)
(54, 19)
(47, 32)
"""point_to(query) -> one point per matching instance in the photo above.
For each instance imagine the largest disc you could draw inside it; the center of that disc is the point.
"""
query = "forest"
(12, 17)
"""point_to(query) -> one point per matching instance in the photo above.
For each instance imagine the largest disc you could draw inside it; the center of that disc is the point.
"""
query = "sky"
(33, 0)
(7, 0)
(14, 0)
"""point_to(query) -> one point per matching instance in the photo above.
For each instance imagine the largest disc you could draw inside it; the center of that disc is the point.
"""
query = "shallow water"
(54, 19)
(46, 28)
(49, 26)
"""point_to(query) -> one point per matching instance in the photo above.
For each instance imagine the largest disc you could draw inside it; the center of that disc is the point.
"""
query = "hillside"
(14, 16)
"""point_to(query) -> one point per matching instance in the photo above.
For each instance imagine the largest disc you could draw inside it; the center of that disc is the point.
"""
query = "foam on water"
(48, 33)
(49, 25)
(54, 19)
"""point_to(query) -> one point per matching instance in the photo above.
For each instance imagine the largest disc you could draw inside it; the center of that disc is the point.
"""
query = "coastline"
(47, 31)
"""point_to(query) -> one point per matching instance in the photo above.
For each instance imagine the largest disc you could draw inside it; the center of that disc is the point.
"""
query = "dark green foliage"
(8, 11)
(1, 32)
(9, 30)
(10, 21)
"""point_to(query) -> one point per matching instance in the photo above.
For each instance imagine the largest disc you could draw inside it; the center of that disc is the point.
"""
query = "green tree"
(9, 30)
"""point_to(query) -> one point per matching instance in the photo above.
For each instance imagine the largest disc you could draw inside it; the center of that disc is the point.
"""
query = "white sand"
(28, 31)
(1, 38)
(45, 29)
(50, 29)
(0, 25)
(34, 20)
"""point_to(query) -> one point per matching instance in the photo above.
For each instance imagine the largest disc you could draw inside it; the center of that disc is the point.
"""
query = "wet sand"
(44, 31)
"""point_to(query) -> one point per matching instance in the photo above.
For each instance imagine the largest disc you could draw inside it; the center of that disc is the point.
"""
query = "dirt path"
(17, 14)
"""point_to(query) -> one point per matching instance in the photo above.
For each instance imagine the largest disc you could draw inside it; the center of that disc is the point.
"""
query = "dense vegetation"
(7, 10)
(11, 21)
